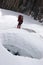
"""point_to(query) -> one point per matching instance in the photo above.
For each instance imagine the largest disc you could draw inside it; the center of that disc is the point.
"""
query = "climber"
(20, 21)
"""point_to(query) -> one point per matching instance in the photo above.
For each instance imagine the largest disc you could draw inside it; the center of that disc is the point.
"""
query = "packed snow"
(26, 43)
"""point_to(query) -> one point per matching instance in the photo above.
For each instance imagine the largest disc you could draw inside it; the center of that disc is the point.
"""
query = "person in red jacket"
(20, 21)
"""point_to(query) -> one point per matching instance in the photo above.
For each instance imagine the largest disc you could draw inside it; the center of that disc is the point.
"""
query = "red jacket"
(20, 18)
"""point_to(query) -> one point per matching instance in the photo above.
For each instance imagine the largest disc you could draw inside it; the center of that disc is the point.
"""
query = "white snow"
(8, 59)
(27, 41)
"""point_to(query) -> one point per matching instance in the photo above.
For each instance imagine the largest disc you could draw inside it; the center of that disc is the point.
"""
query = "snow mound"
(19, 43)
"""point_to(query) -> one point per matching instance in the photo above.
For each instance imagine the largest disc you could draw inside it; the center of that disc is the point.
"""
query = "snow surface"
(27, 41)
(8, 59)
